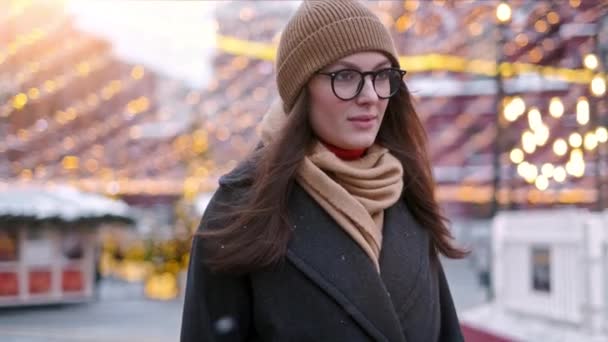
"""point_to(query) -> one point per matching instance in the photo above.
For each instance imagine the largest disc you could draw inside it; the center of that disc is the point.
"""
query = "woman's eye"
(384, 75)
(346, 76)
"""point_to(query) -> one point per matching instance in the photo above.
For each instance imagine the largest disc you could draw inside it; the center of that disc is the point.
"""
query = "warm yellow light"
(576, 167)
(50, 86)
(70, 162)
(517, 156)
(70, 114)
(534, 118)
(547, 170)
(522, 168)
(517, 106)
(553, 17)
(590, 141)
(542, 183)
(115, 86)
(602, 134)
(598, 86)
(161, 286)
(200, 141)
(403, 23)
(560, 147)
(132, 107)
(541, 135)
(590, 61)
(541, 26)
(19, 101)
(137, 72)
(83, 68)
(531, 173)
(411, 5)
(191, 187)
(26, 174)
(503, 12)
(582, 111)
(142, 104)
(576, 154)
(33, 93)
(556, 107)
(528, 142)
(575, 140)
(559, 174)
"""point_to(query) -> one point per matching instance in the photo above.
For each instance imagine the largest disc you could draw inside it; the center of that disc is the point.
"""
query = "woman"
(329, 231)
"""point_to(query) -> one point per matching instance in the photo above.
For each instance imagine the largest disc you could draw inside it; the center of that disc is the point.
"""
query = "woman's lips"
(363, 121)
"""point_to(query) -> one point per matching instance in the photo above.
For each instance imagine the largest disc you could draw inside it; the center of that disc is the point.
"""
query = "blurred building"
(48, 244)
(74, 112)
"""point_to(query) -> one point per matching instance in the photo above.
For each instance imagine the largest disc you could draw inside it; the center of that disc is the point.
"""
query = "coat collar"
(331, 259)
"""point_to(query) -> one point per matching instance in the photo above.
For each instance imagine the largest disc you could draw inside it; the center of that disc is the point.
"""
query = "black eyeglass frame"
(360, 86)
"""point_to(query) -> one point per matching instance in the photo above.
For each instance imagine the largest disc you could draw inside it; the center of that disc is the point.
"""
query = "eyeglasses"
(347, 83)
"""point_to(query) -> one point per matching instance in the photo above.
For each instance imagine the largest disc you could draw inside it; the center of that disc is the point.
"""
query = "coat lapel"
(404, 255)
(322, 251)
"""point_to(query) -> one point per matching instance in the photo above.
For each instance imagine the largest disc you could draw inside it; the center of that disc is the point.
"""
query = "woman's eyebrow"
(354, 66)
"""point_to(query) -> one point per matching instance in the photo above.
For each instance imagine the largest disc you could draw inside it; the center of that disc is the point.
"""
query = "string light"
(582, 111)
(560, 147)
(559, 174)
(602, 134)
(70, 113)
(591, 141)
(517, 156)
(598, 86)
(575, 140)
(503, 12)
(20, 100)
(556, 107)
(541, 182)
(420, 63)
(590, 61)
(514, 108)
(534, 118)
(528, 141)
(454, 63)
(547, 170)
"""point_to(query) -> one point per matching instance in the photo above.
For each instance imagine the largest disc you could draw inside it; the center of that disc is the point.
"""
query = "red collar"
(345, 154)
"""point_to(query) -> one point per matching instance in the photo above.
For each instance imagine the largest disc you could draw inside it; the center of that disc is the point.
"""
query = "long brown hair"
(257, 229)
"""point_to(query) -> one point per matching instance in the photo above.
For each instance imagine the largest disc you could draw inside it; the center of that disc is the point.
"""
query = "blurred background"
(118, 117)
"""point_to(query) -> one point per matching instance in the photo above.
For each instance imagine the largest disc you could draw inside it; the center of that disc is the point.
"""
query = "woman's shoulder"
(242, 175)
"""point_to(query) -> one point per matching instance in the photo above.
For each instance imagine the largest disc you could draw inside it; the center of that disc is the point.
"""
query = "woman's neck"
(345, 154)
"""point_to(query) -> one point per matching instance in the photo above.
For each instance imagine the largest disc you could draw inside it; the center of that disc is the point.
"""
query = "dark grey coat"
(328, 289)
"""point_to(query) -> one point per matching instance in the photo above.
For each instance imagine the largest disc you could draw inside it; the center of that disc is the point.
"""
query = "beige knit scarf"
(354, 193)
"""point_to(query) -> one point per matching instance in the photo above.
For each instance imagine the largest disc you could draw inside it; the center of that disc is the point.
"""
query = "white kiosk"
(550, 276)
(48, 243)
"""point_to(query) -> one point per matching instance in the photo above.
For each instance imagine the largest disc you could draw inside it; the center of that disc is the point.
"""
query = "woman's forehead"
(363, 60)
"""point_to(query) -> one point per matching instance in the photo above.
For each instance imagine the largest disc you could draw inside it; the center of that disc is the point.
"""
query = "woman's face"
(351, 124)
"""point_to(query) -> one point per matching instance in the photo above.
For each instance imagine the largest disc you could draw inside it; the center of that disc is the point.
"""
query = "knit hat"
(321, 32)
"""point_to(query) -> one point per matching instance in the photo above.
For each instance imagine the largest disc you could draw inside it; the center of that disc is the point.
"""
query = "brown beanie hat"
(320, 33)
